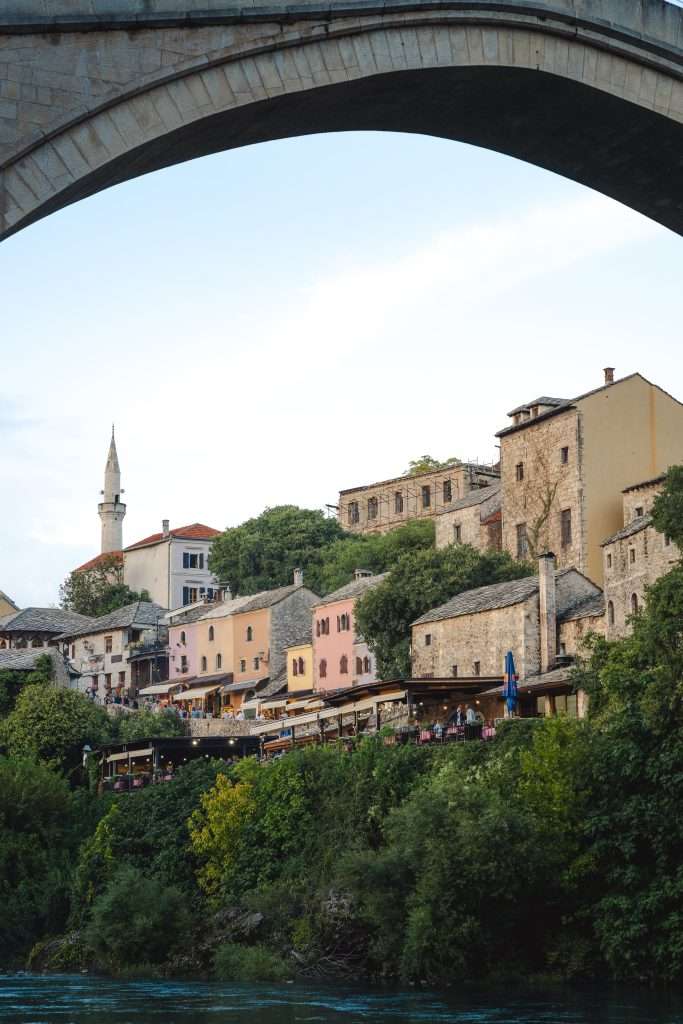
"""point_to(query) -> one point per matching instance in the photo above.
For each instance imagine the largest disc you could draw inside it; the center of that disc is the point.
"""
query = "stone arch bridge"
(95, 92)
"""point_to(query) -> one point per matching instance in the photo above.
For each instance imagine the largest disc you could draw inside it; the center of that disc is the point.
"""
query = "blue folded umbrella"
(510, 684)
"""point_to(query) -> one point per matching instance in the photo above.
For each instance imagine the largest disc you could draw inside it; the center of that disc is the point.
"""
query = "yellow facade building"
(300, 667)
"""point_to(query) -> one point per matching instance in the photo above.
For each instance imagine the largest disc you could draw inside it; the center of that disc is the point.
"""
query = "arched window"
(343, 665)
(219, 661)
(203, 663)
(634, 604)
(327, 627)
(367, 666)
(339, 625)
(182, 637)
(317, 627)
(250, 633)
(359, 666)
(295, 667)
(323, 669)
(302, 666)
(210, 632)
(610, 612)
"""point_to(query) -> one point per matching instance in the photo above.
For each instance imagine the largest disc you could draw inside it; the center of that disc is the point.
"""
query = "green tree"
(375, 551)
(667, 510)
(263, 552)
(421, 580)
(427, 464)
(12, 682)
(144, 723)
(52, 725)
(99, 590)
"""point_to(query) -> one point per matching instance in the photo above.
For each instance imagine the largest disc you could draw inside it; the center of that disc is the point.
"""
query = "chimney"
(165, 527)
(226, 593)
(298, 577)
(359, 574)
(548, 610)
(609, 374)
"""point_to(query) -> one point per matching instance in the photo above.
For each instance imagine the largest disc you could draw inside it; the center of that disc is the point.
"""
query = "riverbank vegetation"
(554, 849)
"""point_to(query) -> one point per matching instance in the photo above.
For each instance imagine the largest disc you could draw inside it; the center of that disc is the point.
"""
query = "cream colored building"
(173, 565)
(474, 519)
(379, 507)
(564, 464)
(7, 605)
(634, 557)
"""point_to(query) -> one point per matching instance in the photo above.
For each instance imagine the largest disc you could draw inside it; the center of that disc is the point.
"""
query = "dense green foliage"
(12, 682)
(427, 464)
(99, 590)
(263, 552)
(420, 580)
(667, 511)
(146, 723)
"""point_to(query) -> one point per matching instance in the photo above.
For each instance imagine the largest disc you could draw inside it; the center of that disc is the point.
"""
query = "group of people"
(471, 721)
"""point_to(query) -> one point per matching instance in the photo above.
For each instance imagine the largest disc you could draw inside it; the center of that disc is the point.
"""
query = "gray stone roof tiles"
(476, 497)
(588, 608)
(543, 400)
(354, 589)
(483, 599)
(139, 613)
(635, 526)
(45, 620)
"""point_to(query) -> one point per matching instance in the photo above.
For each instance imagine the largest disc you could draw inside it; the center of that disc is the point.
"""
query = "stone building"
(100, 651)
(565, 462)
(37, 627)
(379, 507)
(172, 566)
(474, 519)
(7, 605)
(634, 557)
(537, 618)
(338, 650)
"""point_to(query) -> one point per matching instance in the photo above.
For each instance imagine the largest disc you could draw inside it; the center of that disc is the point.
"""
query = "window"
(566, 527)
(243, 665)
(634, 604)
(631, 556)
(372, 508)
(193, 560)
(256, 662)
(122, 678)
(250, 633)
(295, 667)
(398, 502)
(183, 638)
(190, 595)
(447, 491)
(359, 666)
(317, 627)
(107, 680)
(211, 633)
(73, 650)
(564, 456)
(428, 639)
(609, 561)
(36, 643)
(183, 664)
(219, 661)
(454, 671)
(108, 644)
(667, 540)
(639, 511)
(367, 665)
(326, 627)
(323, 669)
(343, 623)
(343, 665)
(354, 513)
(457, 533)
(203, 663)
(302, 666)
(519, 472)
(522, 543)
(563, 649)
(477, 668)
(426, 496)
(610, 612)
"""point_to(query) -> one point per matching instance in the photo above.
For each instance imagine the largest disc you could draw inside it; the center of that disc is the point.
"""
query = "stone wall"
(573, 632)
(640, 498)
(636, 562)
(546, 479)
(219, 727)
(469, 519)
(290, 620)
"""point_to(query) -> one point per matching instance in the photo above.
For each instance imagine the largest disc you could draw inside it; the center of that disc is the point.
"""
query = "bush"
(136, 920)
(249, 963)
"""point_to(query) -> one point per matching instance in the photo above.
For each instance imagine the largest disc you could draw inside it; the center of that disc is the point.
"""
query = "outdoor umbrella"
(510, 685)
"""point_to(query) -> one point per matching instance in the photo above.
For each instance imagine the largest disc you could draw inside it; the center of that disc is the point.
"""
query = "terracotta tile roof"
(98, 559)
(196, 531)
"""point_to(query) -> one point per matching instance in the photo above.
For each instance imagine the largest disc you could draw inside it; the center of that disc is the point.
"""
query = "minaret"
(111, 509)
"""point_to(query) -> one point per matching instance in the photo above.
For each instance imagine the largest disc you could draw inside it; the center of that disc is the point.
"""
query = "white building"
(172, 566)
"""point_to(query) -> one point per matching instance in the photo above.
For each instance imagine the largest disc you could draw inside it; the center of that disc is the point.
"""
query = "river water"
(76, 999)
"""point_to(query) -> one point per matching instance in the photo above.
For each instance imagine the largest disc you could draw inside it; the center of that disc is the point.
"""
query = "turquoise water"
(44, 999)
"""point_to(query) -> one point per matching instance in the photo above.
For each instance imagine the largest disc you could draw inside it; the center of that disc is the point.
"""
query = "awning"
(158, 688)
(132, 754)
(198, 693)
(248, 684)
(307, 703)
(270, 705)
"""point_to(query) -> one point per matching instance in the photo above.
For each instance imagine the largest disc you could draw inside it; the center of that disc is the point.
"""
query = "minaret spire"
(111, 509)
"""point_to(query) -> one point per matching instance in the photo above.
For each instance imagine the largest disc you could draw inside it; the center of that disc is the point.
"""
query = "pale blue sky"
(271, 324)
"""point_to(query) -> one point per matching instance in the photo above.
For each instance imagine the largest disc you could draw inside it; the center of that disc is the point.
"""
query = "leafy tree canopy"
(11, 682)
(375, 551)
(427, 464)
(421, 580)
(99, 590)
(667, 511)
(143, 723)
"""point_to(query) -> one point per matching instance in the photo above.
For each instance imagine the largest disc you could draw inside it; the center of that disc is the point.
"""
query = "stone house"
(535, 617)
(338, 650)
(7, 605)
(474, 519)
(634, 557)
(37, 627)
(172, 566)
(100, 651)
(382, 506)
(565, 462)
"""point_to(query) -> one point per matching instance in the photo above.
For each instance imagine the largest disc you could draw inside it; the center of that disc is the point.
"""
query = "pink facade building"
(337, 648)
